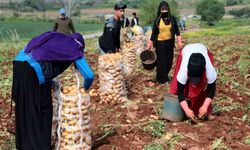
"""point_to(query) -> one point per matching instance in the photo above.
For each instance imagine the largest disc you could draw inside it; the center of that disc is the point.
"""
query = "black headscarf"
(165, 16)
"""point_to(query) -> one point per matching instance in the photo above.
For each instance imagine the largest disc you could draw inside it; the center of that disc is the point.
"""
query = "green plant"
(154, 146)
(247, 140)
(218, 109)
(248, 106)
(174, 139)
(243, 12)
(35, 4)
(107, 110)
(218, 144)
(245, 118)
(13, 35)
(210, 10)
(156, 128)
(231, 2)
(243, 64)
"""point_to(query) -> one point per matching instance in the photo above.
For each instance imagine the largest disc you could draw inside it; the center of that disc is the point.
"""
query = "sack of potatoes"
(73, 121)
(111, 78)
(129, 58)
(74, 128)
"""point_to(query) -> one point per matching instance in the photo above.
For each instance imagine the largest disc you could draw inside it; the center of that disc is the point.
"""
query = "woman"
(163, 38)
(194, 80)
(45, 57)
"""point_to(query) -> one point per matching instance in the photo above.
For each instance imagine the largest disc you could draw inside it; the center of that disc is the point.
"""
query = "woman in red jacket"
(194, 80)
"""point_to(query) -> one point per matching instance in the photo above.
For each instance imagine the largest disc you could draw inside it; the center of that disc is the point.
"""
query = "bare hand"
(191, 115)
(202, 111)
(180, 45)
(150, 44)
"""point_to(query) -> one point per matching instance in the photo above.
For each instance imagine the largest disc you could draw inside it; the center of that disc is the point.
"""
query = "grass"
(224, 27)
(28, 28)
(243, 64)
(218, 109)
(218, 144)
(154, 146)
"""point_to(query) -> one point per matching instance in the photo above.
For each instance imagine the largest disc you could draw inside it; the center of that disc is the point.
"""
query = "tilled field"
(138, 124)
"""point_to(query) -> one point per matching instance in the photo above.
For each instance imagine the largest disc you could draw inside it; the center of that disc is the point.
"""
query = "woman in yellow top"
(163, 39)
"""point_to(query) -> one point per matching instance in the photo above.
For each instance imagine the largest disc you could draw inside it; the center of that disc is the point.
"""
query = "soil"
(114, 126)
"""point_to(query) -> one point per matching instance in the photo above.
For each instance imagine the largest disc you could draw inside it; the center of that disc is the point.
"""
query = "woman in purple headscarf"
(44, 57)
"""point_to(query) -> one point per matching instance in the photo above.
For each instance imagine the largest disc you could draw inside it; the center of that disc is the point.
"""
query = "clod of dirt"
(133, 107)
(194, 148)
(132, 115)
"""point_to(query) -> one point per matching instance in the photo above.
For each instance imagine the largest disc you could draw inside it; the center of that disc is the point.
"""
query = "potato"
(65, 91)
(88, 140)
(82, 91)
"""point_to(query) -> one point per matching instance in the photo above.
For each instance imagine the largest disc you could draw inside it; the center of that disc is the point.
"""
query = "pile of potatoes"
(74, 122)
(111, 78)
(129, 58)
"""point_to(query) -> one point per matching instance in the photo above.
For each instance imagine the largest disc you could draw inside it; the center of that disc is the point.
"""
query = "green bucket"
(171, 108)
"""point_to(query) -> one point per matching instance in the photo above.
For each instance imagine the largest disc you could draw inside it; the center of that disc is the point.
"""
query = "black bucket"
(148, 59)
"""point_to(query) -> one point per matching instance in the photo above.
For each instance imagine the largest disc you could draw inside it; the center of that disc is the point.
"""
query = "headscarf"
(55, 46)
(165, 17)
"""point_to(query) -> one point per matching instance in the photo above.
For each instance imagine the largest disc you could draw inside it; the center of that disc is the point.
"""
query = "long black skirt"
(164, 62)
(33, 111)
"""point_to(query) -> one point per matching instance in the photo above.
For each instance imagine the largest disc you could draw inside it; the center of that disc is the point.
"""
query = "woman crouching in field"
(194, 81)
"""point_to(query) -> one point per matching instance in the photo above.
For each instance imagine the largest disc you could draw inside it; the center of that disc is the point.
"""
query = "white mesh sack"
(74, 122)
(111, 78)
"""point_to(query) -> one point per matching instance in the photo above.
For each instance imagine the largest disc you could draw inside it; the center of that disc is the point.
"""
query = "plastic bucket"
(172, 110)
(148, 59)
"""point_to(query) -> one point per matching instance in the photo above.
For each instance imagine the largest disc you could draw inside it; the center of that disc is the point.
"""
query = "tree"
(243, 12)
(210, 10)
(148, 10)
(233, 2)
(35, 4)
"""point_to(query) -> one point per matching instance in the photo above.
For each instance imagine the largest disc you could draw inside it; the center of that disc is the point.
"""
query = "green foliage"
(236, 26)
(157, 128)
(35, 4)
(28, 28)
(243, 12)
(243, 64)
(210, 10)
(218, 109)
(233, 2)
(248, 106)
(247, 140)
(26, 6)
(218, 144)
(154, 147)
(148, 10)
